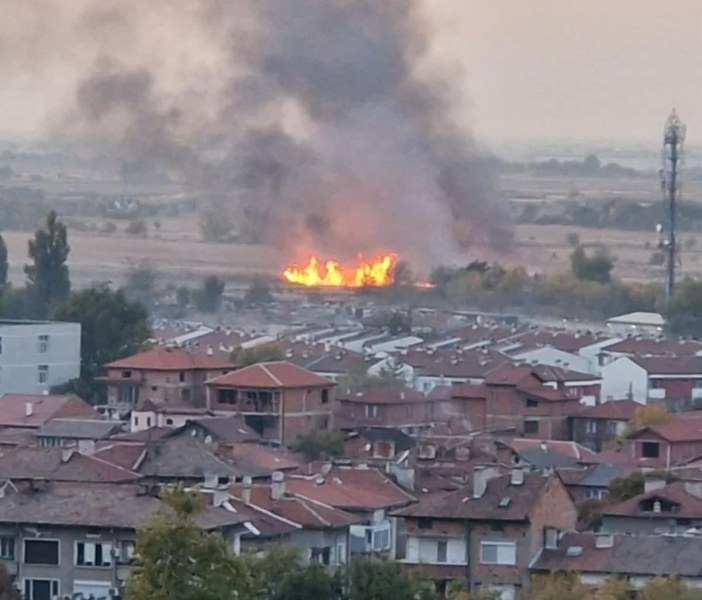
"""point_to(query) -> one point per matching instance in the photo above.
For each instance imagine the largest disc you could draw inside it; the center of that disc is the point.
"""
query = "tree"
(268, 352)
(573, 239)
(177, 559)
(591, 268)
(651, 414)
(258, 293)
(48, 279)
(138, 228)
(209, 297)
(370, 579)
(319, 444)
(623, 488)
(613, 589)
(684, 313)
(556, 586)
(3, 262)
(666, 588)
(111, 327)
(402, 273)
(141, 285)
(183, 296)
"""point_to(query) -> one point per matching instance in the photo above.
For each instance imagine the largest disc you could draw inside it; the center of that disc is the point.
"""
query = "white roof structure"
(639, 319)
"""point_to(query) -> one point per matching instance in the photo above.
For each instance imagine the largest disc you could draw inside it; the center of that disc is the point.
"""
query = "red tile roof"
(616, 410)
(655, 346)
(688, 505)
(674, 431)
(171, 358)
(272, 375)
(125, 455)
(351, 488)
(273, 459)
(570, 449)
(468, 364)
(13, 409)
(670, 365)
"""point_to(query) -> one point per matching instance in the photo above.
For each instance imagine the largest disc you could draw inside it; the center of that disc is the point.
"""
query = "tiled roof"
(561, 375)
(351, 488)
(670, 365)
(655, 346)
(571, 450)
(678, 430)
(268, 525)
(120, 506)
(461, 504)
(272, 375)
(381, 396)
(566, 341)
(126, 455)
(465, 390)
(509, 374)
(648, 555)
(616, 410)
(145, 435)
(468, 364)
(171, 358)
(262, 457)
(689, 505)
(83, 429)
(13, 409)
(308, 514)
(53, 464)
(227, 430)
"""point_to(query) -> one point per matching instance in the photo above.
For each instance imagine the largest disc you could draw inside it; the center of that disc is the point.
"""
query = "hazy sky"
(530, 69)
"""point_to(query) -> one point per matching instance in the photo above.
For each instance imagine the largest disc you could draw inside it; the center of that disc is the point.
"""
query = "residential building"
(149, 414)
(378, 445)
(81, 433)
(321, 532)
(486, 534)
(383, 407)
(63, 538)
(591, 482)
(36, 356)
(278, 400)
(32, 411)
(164, 375)
(636, 559)
(666, 445)
(544, 455)
(596, 426)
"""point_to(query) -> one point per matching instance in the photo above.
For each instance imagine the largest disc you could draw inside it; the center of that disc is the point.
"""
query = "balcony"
(656, 394)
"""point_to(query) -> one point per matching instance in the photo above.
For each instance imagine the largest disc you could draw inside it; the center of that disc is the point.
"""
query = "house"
(32, 411)
(221, 430)
(378, 445)
(486, 534)
(646, 323)
(163, 375)
(662, 508)
(148, 414)
(383, 407)
(675, 381)
(82, 433)
(365, 493)
(321, 532)
(591, 482)
(521, 398)
(543, 455)
(595, 426)
(666, 445)
(63, 538)
(36, 356)
(278, 400)
(636, 559)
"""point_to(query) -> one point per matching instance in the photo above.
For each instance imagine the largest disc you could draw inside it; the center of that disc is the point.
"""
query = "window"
(612, 427)
(650, 449)
(441, 551)
(127, 374)
(320, 556)
(595, 493)
(43, 344)
(7, 548)
(227, 396)
(425, 523)
(169, 421)
(148, 422)
(136, 421)
(531, 426)
(408, 410)
(41, 552)
(89, 554)
(498, 553)
(371, 411)
(325, 396)
(41, 589)
(381, 539)
(0, 345)
(181, 376)
(42, 373)
(126, 553)
(531, 403)
(590, 426)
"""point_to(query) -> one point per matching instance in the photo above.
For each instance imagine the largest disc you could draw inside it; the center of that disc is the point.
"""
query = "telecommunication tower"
(673, 138)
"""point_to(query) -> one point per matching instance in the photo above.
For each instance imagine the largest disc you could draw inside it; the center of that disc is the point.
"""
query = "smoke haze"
(312, 124)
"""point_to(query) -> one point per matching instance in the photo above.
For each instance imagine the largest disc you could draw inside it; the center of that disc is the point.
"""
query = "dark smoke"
(322, 135)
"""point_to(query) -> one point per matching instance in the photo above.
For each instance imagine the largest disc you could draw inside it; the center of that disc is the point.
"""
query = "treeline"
(590, 166)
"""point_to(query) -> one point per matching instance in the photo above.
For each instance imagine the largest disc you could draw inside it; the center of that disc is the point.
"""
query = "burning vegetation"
(377, 271)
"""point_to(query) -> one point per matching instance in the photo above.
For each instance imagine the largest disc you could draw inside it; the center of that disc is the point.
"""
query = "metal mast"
(673, 138)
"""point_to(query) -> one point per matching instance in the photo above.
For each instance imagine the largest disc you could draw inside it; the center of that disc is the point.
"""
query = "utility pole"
(673, 138)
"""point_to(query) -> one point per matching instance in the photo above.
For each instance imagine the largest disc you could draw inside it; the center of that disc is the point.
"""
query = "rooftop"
(269, 375)
(33, 410)
(172, 358)
(615, 410)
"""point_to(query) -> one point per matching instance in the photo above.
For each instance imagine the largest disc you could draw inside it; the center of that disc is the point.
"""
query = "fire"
(374, 272)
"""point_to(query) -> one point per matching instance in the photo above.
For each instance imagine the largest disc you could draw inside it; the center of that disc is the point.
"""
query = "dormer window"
(658, 505)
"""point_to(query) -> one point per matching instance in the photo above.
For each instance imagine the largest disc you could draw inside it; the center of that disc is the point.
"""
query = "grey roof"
(546, 458)
(122, 506)
(401, 440)
(228, 430)
(601, 475)
(79, 429)
(185, 457)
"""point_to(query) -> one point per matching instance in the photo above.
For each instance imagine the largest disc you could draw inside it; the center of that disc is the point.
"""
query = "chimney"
(66, 454)
(604, 540)
(327, 347)
(481, 476)
(220, 496)
(211, 481)
(277, 485)
(246, 484)
(28, 409)
(517, 477)
(654, 483)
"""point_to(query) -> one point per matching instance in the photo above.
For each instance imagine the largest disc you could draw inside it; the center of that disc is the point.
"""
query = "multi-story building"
(278, 400)
(37, 355)
(165, 375)
(595, 426)
(486, 534)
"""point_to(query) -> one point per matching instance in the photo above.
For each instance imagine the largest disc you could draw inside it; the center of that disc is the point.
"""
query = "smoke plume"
(314, 125)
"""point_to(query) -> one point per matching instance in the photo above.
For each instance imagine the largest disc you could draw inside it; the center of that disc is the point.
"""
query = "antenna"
(673, 138)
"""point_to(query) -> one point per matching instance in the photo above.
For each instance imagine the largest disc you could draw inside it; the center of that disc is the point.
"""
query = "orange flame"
(374, 272)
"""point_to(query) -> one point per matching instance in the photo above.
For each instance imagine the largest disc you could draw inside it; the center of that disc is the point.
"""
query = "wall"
(623, 377)
(20, 355)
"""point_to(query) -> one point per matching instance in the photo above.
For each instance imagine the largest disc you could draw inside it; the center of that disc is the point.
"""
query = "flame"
(374, 272)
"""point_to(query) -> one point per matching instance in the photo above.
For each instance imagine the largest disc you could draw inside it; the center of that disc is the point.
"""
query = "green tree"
(7, 590)
(48, 279)
(268, 352)
(112, 327)
(183, 296)
(684, 313)
(370, 579)
(319, 444)
(592, 268)
(177, 559)
(141, 286)
(259, 292)
(556, 586)
(209, 298)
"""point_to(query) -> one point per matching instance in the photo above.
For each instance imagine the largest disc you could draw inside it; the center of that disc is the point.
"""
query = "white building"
(37, 355)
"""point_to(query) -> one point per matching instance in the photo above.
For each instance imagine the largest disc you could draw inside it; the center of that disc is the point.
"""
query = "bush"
(137, 228)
